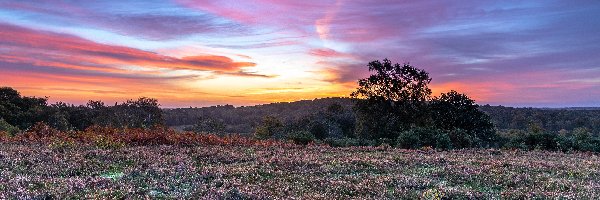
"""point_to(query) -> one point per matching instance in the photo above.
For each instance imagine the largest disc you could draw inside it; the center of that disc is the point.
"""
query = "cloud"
(496, 50)
(67, 51)
(165, 22)
(327, 52)
(40, 59)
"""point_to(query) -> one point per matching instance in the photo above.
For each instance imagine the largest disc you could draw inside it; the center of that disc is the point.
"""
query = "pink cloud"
(89, 55)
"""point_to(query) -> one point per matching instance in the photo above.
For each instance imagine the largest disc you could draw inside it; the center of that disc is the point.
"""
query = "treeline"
(19, 113)
(245, 119)
(550, 120)
(393, 106)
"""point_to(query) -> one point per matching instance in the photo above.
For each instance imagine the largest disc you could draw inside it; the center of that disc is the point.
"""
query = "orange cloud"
(69, 68)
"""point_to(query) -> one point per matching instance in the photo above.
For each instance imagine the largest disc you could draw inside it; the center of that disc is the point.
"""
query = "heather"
(284, 171)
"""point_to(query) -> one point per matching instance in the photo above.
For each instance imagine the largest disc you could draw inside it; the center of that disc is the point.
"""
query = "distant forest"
(245, 119)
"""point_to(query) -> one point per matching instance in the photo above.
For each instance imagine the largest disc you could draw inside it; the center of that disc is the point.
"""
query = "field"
(291, 172)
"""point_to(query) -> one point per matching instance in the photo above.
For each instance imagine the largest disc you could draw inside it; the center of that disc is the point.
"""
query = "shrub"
(270, 127)
(460, 138)
(529, 140)
(580, 140)
(61, 144)
(422, 137)
(41, 130)
(6, 127)
(107, 142)
(301, 137)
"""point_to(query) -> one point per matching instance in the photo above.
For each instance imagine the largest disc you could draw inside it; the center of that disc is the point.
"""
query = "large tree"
(396, 98)
(393, 98)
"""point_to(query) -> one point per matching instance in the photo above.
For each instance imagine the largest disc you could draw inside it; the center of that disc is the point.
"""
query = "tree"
(270, 127)
(392, 98)
(19, 111)
(452, 110)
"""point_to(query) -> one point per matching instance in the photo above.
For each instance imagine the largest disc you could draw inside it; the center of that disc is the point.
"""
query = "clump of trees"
(395, 103)
(19, 113)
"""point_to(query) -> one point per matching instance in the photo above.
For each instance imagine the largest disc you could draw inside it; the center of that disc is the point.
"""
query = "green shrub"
(6, 127)
(424, 137)
(301, 137)
(106, 142)
(269, 128)
(579, 140)
(460, 138)
(529, 140)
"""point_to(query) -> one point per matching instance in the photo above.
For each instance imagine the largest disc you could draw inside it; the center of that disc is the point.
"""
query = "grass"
(312, 172)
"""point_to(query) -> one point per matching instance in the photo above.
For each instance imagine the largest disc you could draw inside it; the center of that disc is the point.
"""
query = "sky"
(185, 53)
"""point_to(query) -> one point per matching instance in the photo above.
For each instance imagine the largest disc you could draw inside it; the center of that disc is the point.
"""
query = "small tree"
(452, 111)
(269, 127)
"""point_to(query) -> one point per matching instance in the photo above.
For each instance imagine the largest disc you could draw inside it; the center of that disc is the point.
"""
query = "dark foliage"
(317, 115)
(301, 137)
(19, 111)
(269, 128)
(24, 112)
(207, 124)
(551, 120)
(395, 102)
(7, 128)
(424, 137)
(394, 98)
(458, 113)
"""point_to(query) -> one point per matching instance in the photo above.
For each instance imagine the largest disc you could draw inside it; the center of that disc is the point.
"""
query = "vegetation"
(207, 124)
(394, 98)
(229, 171)
(392, 107)
(396, 103)
(24, 112)
(291, 150)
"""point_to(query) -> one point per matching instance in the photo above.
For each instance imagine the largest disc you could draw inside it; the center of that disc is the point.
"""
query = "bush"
(424, 137)
(580, 140)
(106, 142)
(269, 128)
(6, 127)
(301, 137)
(462, 139)
(529, 140)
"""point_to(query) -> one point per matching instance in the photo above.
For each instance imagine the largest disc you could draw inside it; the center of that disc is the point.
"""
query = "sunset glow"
(199, 53)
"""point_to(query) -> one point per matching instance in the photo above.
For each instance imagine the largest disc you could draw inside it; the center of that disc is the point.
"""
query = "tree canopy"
(396, 98)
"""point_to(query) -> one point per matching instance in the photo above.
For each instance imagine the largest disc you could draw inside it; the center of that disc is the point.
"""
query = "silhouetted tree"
(393, 98)
(453, 110)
